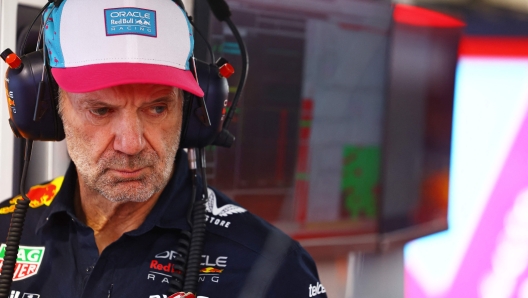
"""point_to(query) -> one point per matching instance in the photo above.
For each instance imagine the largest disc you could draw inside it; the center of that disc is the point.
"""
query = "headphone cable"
(30, 27)
(198, 233)
(209, 48)
(221, 11)
(15, 231)
(243, 76)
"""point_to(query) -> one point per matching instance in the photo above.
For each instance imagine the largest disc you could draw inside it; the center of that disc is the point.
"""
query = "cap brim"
(95, 77)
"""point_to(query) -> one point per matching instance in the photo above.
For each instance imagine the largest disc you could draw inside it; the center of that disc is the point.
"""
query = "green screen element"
(360, 180)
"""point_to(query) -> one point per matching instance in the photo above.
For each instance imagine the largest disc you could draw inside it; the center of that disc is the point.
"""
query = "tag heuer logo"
(28, 261)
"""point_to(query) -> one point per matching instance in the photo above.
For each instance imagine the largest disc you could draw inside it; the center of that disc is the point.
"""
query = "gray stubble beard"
(97, 178)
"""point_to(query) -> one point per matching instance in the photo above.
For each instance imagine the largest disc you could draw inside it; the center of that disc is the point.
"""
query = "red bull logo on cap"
(39, 195)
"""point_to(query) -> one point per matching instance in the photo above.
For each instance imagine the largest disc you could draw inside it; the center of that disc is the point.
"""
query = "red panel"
(418, 16)
(282, 141)
(494, 46)
(302, 185)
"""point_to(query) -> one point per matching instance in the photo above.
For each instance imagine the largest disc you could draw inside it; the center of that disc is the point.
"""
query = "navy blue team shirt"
(243, 256)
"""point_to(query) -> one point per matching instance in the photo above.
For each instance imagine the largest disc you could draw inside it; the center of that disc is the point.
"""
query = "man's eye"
(100, 111)
(157, 109)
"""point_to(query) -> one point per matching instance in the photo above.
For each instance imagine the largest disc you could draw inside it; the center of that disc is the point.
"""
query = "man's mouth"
(127, 173)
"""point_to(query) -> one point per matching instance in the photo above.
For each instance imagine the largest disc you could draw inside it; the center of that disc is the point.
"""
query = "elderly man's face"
(123, 139)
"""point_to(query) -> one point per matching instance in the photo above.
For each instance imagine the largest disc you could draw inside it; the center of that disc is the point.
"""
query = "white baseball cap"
(103, 43)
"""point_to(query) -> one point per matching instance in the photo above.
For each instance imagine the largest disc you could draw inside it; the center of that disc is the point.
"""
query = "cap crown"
(82, 33)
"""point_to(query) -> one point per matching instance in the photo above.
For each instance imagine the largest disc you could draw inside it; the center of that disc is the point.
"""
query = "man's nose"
(129, 137)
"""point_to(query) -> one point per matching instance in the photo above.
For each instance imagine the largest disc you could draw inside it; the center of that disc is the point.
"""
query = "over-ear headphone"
(32, 105)
(203, 118)
(32, 97)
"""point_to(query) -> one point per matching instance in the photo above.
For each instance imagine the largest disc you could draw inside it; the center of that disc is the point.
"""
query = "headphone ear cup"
(32, 117)
(216, 89)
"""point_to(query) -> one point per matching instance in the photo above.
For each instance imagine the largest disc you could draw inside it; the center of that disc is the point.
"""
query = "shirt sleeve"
(297, 277)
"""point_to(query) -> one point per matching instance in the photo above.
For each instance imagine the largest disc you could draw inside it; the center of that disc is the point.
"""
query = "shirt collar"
(169, 212)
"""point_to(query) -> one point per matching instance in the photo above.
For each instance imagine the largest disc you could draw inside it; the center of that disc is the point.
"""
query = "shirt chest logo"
(28, 262)
(161, 267)
(130, 20)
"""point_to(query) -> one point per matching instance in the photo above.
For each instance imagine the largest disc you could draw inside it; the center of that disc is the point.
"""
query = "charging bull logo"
(39, 195)
(28, 261)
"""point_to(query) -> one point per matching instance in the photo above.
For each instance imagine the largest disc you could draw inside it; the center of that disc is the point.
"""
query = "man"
(110, 227)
